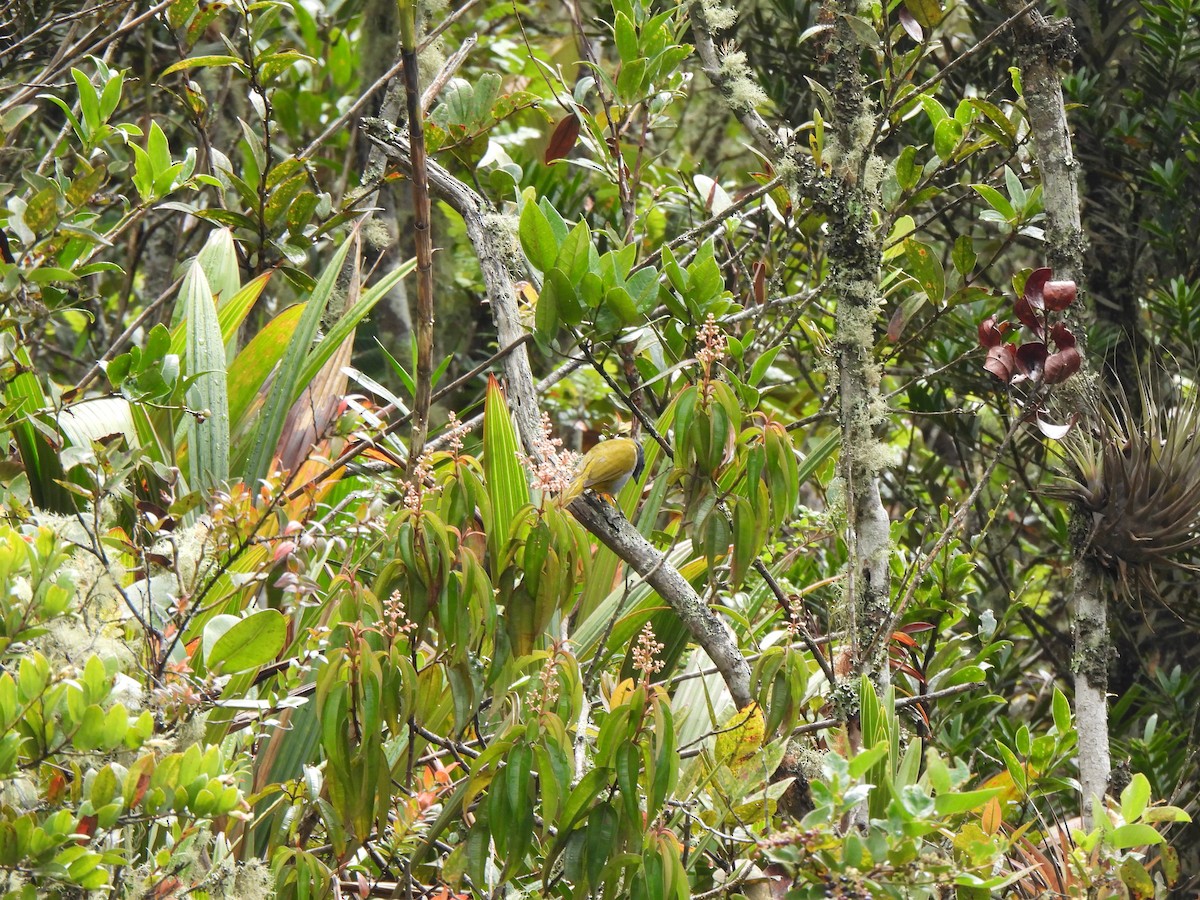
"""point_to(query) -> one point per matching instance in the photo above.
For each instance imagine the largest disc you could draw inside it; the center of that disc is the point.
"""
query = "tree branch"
(613, 530)
(1041, 45)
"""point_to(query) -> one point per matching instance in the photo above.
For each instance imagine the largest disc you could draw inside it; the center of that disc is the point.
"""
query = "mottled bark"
(1041, 45)
(855, 261)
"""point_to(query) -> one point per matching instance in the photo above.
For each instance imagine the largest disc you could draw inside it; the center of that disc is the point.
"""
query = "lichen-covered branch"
(855, 261)
(731, 76)
(1041, 45)
(706, 628)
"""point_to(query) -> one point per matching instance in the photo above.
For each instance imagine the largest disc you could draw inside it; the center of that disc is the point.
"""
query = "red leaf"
(909, 670)
(1062, 336)
(139, 791)
(562, 141)
(1024, 312)
(1001, 361)
(759, 282)
(1035, 285)
(911, 26)
(896, 324)
(1062, 365)
(86, 825)
(1059, 294)
(1031, 358)
(992, 334)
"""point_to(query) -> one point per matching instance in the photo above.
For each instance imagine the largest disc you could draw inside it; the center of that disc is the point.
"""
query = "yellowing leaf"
(993, 815)
(620, 693)
(740, 737)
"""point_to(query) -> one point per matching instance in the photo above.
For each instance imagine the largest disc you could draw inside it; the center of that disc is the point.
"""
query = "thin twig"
(962, 58)
(452, 65)
(708, 224)
(903, 703)
(422, 236)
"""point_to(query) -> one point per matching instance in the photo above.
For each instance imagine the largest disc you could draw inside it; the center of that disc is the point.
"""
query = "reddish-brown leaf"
(1001, 361)
(562, 141)
(1062, 365)
(1035, 285)
(1062, 336)
(1059, 294)
(759, 282)
(992, 334)
(139, 791)
(911, 26)
(86, 825)
(1031, 358)
(896, 324)
(1024, 311)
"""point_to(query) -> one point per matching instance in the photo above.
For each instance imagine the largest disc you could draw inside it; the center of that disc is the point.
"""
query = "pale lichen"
(718, 17)
(506, 237)
(742, 91)
(875, 171)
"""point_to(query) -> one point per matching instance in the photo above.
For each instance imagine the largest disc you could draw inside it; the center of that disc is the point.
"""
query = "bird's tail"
(572, 491)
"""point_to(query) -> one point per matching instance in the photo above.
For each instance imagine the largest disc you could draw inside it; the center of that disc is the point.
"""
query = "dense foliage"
(899, 423)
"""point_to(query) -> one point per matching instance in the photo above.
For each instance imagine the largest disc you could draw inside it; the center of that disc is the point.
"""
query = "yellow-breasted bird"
(606, 468)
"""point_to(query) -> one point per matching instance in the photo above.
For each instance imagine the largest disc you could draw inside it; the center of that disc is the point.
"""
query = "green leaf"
(347, 322)
(575, 253)
(537, 237)
(89, 101)
(953, 803)
(927, 12)
(618, 300)
(922, 263)
(507, 486)
(257, 360)
(253, 642)
(1165, 814)
(1133, 835)
(199, 62)
(286, 385)
(208, 440)
(626, 38)
(1135, 797)
(964, 675)
(863, 760)
(1062, 712)
(963, 256)
(946, 137)
(996, 201)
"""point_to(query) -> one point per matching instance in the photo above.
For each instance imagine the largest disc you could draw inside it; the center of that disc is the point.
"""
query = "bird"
(606, 468)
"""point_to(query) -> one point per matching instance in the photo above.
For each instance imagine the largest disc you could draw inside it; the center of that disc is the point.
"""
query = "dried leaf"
(759, 282)
(562, 141)
(993, 815)
(1053, 430)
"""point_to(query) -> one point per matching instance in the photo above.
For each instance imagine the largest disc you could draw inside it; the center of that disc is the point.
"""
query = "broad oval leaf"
(252, 642)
